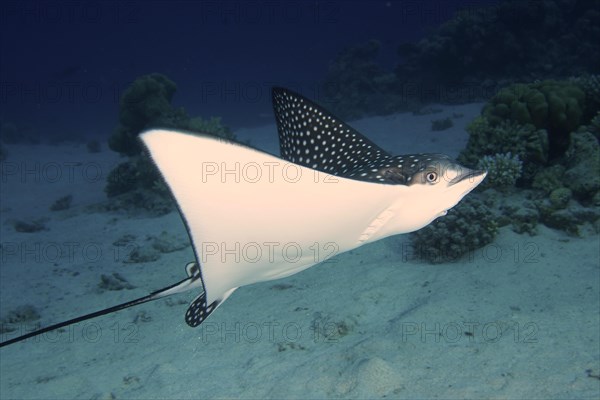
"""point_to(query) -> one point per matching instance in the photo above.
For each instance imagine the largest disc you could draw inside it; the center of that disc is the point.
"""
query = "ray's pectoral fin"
(199, 310)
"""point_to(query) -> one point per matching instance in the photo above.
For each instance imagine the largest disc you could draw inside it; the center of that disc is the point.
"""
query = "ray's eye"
(431, 177)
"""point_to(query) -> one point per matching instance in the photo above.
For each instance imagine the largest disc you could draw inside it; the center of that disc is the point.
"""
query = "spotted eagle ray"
(254, 217)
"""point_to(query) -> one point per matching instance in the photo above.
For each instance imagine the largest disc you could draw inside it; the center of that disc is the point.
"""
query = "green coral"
(594, 126)
(559, 198)
(212, 126)
(569, 219)
(518, 212)
(549, 126)
(503, 169)
(121, 179)
(590, 85)
(549, 178)
(466, 227)
(525, 141)
(146, 104)
(138, 173)
(556, 106)
(525, 219)
(583, 165)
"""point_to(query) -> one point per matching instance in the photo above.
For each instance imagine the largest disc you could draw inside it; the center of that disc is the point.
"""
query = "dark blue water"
(65, 64)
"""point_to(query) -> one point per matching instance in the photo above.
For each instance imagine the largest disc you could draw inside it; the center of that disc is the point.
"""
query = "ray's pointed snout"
(471, 175)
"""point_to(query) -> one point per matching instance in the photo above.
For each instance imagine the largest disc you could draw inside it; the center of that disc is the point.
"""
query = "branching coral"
(594, 126)
(525, 141)
(583, 164)
(503, 169)
(590, 85)
(468, 226)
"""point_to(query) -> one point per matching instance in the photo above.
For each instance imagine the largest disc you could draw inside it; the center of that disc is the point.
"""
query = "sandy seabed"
(519, 318)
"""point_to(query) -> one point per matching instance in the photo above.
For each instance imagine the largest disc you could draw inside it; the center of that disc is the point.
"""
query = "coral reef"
(570, 218)
(559, 107)
(590, 85)
(549, 179)
(525, 141)
(466, 227)
(472, 55)
(503, 169)
(145, 104)
(551, 126)
(121, 179)
(519, 211)
(356, 86)
(212, 125)
(137, 174)
(583, 166)
(477, 52)
(559, 198)
(507, 42)
(525, 219)
(534, 121)
(594, 126)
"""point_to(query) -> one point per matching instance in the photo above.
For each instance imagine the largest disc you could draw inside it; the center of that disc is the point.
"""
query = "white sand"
(368, 324)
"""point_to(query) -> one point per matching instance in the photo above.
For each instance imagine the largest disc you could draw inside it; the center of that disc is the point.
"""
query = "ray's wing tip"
(155, 133)
(198, 311)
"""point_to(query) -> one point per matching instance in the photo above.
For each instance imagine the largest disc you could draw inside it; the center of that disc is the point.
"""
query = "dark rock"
(30, 226)
(62, 203)
(114, 282)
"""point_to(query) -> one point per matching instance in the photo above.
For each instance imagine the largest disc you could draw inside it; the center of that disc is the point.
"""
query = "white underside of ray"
(254, 217)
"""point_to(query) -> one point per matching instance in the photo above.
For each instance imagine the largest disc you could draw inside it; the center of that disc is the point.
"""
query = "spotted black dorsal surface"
(311, 136)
